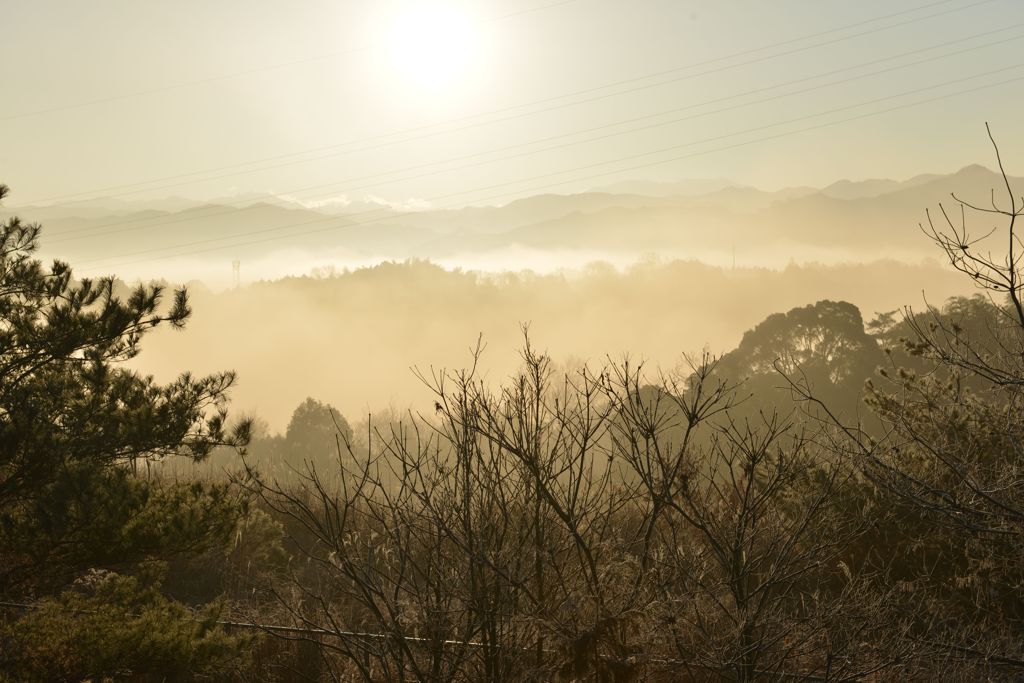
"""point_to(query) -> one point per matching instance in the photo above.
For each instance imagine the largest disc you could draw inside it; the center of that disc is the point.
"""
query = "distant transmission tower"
(236, 274)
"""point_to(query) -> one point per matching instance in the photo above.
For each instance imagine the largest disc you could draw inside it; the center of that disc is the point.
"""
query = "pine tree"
(77, 428)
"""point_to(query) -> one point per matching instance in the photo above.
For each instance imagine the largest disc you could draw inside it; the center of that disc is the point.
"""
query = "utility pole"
(236, 274)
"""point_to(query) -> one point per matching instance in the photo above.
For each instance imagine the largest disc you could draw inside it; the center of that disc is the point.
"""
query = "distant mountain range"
(712, 219)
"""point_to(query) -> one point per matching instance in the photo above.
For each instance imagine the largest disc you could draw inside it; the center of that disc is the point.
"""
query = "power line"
(303, 633)
(247, 72)
(382, 138)
(548, 186)
(133, 223)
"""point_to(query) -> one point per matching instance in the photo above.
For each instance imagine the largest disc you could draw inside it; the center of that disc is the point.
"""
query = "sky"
(447, 103)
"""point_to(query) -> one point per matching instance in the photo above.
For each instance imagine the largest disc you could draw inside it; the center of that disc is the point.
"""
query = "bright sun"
(434, 46)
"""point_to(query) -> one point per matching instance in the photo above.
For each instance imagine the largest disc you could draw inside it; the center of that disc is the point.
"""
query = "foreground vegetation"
(827, 502)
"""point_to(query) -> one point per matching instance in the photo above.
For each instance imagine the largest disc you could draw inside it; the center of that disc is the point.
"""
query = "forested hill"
(350, 338)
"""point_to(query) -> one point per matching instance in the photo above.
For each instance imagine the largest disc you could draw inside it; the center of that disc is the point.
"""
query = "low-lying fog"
(351, 338)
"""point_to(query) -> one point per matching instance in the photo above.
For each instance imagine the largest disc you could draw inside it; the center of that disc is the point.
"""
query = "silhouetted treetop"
(313, 429)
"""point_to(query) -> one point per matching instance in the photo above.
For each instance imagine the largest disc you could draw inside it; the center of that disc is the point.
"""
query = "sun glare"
(434, 46)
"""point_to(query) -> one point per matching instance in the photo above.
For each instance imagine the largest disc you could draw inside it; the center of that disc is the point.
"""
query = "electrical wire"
(382, 138)
(134, 223)
(549, 186)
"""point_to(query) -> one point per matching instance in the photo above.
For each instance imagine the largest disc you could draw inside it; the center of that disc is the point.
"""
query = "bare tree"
(745, 537)
(585, 525)
(947, 449)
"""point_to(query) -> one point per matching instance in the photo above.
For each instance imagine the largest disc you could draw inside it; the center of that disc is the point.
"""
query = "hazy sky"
(100, 96)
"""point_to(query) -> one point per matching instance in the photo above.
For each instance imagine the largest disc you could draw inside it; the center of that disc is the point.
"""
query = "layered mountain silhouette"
(847, 220)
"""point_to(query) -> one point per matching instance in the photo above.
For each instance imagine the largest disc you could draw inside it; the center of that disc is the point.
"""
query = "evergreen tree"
(77, 431)
(314, 433)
